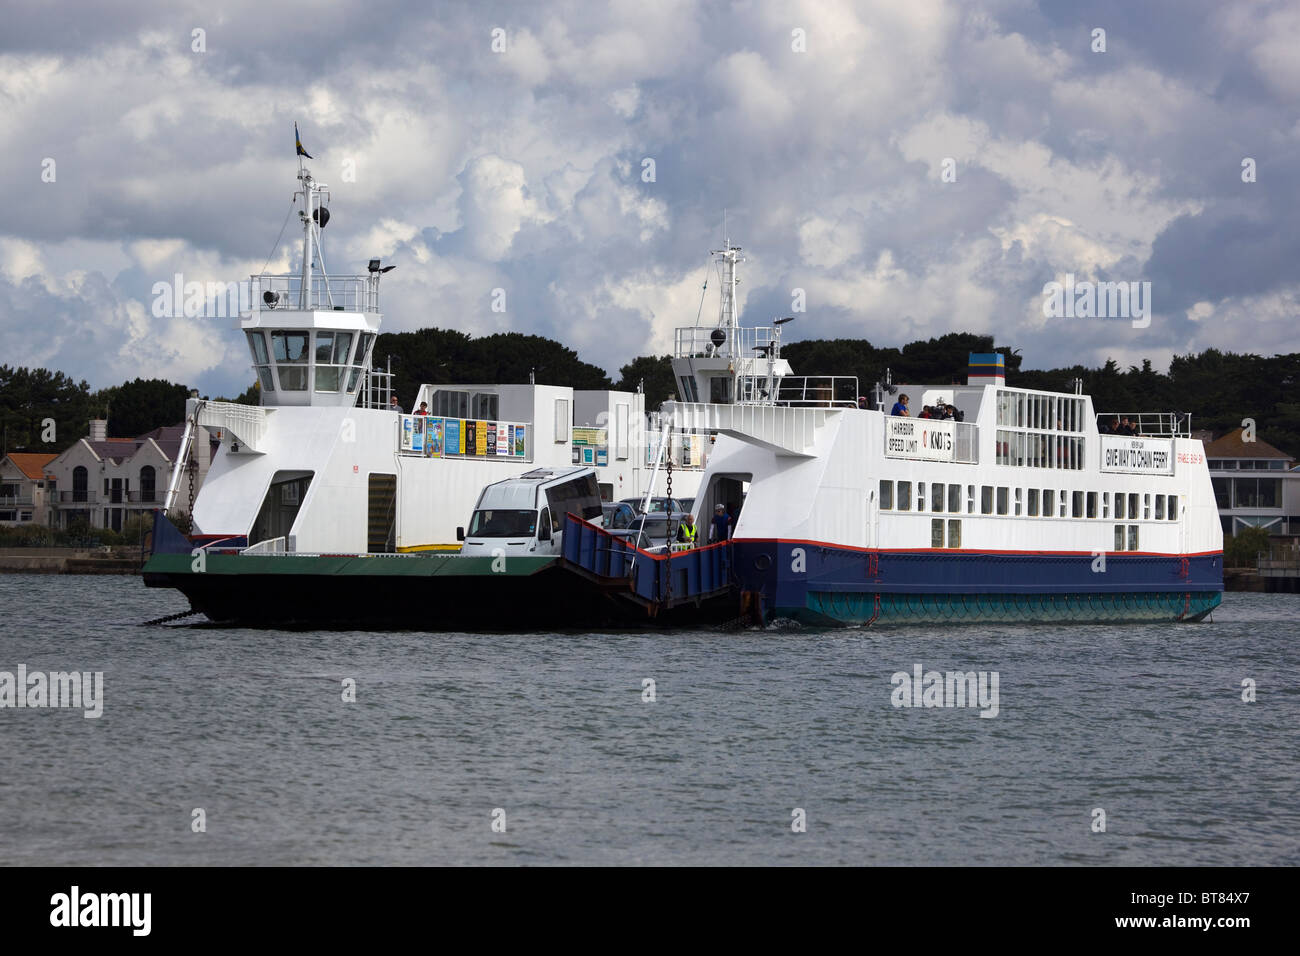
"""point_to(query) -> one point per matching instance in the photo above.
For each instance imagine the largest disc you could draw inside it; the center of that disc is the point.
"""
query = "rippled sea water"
(1145, 722)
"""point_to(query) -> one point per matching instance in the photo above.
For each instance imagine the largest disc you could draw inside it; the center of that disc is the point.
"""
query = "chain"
(668, 565)
(169, 617)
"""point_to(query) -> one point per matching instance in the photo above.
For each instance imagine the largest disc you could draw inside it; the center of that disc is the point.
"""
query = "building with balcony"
(104, 481)
(23, 493)
(1255, 485)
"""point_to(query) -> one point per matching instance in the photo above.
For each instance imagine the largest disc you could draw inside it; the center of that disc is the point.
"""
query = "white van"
(525, 515)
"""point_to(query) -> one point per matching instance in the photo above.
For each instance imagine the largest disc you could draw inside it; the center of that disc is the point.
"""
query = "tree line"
(1219, 389)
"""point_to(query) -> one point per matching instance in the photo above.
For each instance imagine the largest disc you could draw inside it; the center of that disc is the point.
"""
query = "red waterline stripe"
(849, 547)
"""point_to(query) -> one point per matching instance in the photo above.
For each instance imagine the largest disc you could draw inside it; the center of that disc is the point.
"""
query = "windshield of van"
(503, 524)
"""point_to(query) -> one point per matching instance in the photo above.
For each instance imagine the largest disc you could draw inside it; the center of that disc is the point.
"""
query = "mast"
(728, 310)
(313, 215)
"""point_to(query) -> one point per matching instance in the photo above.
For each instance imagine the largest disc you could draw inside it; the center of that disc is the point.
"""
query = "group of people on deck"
(1119, 425)
(940, 412)
(720, 529)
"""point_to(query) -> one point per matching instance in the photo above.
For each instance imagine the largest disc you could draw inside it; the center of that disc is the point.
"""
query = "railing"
(269, 546)
(738, 343)
(85, 497)
(340, 293)
(825, 391)
(1148, 424)
(12, 502)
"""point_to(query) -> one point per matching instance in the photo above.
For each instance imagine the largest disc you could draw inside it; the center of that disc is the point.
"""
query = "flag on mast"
(298, 142)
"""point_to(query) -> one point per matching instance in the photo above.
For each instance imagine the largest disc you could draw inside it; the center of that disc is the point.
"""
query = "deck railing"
(355, 293)
(1149, 424)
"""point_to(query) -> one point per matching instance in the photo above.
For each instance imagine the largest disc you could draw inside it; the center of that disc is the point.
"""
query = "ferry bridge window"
(886, 496)
(936, 532)
(986, 500)
(1032, 507)
(954, 499)
(290, 350)
(1133, 506)
(1119, 537)
(449, 404)
(261, 359)
(904, 496)
(954, 533)
(1132, 537)
(1018, 494)
(1146, 507)
(936, 497)
(1172, 510)
(1076, 504)
(1002, 500)
(1092, 504)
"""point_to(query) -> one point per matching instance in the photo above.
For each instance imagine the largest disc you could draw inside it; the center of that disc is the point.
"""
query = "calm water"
(1145, 722)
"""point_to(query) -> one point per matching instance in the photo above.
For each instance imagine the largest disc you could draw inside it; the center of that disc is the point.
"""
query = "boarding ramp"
(656, 581)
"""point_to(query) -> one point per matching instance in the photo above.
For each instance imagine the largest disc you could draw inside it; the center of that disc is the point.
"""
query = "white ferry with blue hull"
(1021, 511)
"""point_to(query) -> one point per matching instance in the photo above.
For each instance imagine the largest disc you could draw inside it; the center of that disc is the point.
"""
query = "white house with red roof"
(23, 493)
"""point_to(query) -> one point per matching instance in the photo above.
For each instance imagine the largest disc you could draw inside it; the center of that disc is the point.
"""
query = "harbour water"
(553, 735)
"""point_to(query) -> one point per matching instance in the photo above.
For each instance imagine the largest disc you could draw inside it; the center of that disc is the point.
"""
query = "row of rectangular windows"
(1047, 412)
(1123, 541)
(1039, 450)
(897, 496)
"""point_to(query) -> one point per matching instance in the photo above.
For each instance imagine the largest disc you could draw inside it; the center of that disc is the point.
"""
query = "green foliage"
(657, 373)
(29, 396)
(250, 396)
(442, 356)
(142, 405)
(1240, 550)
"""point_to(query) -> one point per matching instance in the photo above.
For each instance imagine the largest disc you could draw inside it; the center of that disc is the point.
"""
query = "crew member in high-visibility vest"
(686, 531)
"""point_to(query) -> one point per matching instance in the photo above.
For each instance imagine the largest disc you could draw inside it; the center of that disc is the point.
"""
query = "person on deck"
(721, 530)
(393, 406)
(686, 531)
(900, 406)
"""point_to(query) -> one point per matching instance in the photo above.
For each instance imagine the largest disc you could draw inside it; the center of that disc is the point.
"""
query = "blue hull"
(821, 584)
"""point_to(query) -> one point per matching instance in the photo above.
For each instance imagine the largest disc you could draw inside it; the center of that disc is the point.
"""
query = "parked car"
(661, 505)
(637, 539)
(660, 528)
(617, 515)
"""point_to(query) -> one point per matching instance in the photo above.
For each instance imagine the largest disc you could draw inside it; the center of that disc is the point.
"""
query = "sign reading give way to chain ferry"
(919, 438)
(1137, 456)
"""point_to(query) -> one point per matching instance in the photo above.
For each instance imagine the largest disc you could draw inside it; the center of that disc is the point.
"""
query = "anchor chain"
(668, 565)
(169, 617)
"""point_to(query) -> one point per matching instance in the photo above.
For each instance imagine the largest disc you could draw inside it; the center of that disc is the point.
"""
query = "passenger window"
(1049, 503)
(954, 499)
(1160, 507)
(904, 496)
(1092, 504)
(1119, 537)
(936, 532)
(1171, 513)
(920, 496)
(954, 533)
(1105, 504)
(986, 499)
(1076, 503)
(970, 499)
(1018, 494)
(886, 496)
(1146, 507)
(1033, 503)
(1133, 537)
(936, 497)
(1002, 501)
(1133, 506)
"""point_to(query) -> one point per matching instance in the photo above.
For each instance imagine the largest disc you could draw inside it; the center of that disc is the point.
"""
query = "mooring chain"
(668, 565)
(169, 617)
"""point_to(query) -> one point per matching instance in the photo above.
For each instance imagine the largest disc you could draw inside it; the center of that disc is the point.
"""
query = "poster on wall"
(490, 439)
(451, 438)
(433, 440)
(417, 435)
(602, 457)
(480, 438)
(577, 455)
(408, 432)
(470, 430)
(521, 445)
(503, 440)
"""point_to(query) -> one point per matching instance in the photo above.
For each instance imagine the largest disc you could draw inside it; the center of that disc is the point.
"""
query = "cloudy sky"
(822, 128)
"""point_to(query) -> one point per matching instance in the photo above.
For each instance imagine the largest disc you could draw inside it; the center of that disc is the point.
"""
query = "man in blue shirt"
(900, 406)
(721, 523)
